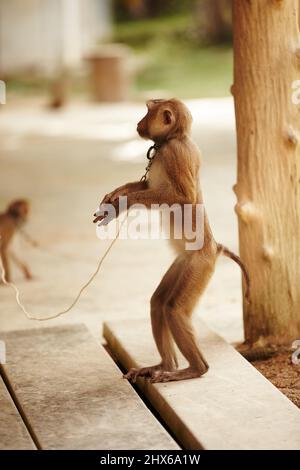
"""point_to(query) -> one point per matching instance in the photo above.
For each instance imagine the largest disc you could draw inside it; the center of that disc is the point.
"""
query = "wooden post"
(110, 79)
(266, 62)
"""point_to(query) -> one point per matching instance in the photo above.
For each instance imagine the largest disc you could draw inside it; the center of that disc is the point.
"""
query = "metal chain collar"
(150, 157)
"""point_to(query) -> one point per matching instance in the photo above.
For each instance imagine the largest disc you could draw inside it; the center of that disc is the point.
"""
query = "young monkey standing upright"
(173, 178)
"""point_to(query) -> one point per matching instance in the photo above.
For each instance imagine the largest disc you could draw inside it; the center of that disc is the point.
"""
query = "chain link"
(154, 147)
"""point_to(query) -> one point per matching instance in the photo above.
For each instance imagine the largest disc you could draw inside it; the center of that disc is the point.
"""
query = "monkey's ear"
(168, 116)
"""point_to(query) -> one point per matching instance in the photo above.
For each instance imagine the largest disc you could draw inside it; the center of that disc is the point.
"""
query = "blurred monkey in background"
(11, 221)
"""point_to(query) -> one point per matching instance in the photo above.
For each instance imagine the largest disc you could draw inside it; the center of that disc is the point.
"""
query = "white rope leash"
(28, 315)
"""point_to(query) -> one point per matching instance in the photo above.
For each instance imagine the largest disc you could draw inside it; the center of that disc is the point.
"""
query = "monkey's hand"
(112, 200)
(106, 213)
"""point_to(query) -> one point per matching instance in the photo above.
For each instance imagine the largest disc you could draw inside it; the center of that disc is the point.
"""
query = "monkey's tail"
(226, 252)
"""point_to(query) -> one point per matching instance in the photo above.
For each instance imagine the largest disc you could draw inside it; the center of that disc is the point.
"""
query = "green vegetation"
(27, 86)
(173, 58)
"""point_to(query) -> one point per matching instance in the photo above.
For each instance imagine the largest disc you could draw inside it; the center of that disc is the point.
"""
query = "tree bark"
(266, 62)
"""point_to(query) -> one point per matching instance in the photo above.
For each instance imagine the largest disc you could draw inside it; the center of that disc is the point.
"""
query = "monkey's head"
(165, 120)
(19, 210)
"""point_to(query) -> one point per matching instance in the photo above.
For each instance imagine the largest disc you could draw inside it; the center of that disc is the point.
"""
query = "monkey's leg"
(160, 327)
(164, 343)
(22, 266)
(5, 263)
(192, 280)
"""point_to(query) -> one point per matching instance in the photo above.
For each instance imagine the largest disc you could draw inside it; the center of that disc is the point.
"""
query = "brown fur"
(174, 178)
(15, 216)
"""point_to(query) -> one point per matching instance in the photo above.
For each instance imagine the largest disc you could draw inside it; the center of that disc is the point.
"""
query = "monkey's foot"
(133, 373)
(183, 374)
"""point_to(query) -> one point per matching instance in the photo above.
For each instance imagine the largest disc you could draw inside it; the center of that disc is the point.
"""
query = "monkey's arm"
(124, 190)
(152, 196)
(145, 197)
(113, 197)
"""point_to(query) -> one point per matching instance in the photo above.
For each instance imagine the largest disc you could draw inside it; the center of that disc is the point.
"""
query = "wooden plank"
(73, 394)
(231, 407)
(13, 432)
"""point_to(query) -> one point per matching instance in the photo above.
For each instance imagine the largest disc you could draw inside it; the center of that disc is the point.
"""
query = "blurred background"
(77, 73)
(175, 47)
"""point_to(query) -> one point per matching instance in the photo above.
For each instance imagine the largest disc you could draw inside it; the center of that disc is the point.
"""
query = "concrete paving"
(72, 394)
(231, 407)
(13, 432)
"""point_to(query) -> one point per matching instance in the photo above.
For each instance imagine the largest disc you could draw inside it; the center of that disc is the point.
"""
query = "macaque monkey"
(10, 221)
(173, 178)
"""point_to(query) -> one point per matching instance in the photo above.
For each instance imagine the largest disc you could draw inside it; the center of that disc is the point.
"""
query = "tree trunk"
(266, 62)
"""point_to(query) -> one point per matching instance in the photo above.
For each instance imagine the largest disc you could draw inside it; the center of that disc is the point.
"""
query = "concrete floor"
(64, 162)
